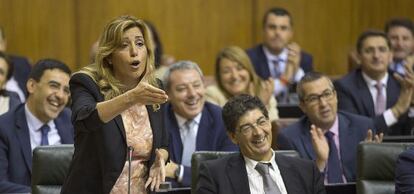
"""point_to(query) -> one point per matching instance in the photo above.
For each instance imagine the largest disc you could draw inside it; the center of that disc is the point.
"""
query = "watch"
(177, 171)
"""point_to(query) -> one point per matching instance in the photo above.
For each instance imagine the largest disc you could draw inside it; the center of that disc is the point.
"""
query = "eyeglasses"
(314, 98)
(246, 129)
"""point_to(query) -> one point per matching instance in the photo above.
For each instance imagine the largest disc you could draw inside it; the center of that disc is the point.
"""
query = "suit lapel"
(22, 132)
(393, 90)
(176, 145)
(345, 137)
(306, 140)
(289, 176)
(204, 133)
(364, 95)
(64, 131)
(237, 174)
(263, 60)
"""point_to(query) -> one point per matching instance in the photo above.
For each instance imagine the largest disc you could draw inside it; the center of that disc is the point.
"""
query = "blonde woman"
(116, 111)
(235, 75)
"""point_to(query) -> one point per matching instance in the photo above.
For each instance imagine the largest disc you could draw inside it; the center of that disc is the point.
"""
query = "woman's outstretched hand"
(157, 172)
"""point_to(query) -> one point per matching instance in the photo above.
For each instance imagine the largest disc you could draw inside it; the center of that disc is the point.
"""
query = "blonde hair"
(238, 55)
(102, 71)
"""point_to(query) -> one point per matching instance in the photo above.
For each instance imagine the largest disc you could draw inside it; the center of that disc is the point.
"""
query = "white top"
(34, 125)
(283, 56)
(256, 180)
(389, 117)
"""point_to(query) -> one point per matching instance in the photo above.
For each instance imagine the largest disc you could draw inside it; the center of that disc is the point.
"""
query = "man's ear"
(232, 136)
(302, 106)
(31, 85)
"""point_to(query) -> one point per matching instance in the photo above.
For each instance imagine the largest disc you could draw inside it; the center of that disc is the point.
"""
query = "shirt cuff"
(411, 112)
(389, 118)
(298, 75)
(180, 176)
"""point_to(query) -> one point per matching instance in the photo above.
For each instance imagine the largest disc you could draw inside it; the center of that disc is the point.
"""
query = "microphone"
(130, 150)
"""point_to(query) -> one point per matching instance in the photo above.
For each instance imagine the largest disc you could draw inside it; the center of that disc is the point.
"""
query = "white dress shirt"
(256, 180)
(181, 122)
(389, 117)
(34, 125)
(282, 57)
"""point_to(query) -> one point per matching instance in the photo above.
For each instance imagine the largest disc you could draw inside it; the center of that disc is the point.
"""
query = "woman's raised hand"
(147, 94)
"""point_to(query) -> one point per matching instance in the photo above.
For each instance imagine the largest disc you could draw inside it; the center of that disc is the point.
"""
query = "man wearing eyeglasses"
(257, 169)
(324, 135)
(375, 91)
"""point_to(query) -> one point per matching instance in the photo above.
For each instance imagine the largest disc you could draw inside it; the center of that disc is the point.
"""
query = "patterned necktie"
(380, 106)
(189, 142)
(277, 70)
(334, 165)
(269, 186)
(44, 130)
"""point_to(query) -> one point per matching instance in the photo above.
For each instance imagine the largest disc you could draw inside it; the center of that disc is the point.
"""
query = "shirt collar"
(251, 164)
(33, 122)
(372, 82)
(181, 120)
(335, 129)
(271, 57)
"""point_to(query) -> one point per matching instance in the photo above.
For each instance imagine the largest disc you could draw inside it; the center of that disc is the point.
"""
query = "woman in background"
(117, 113)
(8, 100)
(235, 75)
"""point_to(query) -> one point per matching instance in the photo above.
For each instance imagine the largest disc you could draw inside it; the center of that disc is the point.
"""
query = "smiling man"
(193, 123)
(375, 91)
(323, 132)
(257, 169)
(42, 120)
(278, 57)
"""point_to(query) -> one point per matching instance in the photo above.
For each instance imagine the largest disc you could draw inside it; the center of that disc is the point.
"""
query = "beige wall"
(193, 29)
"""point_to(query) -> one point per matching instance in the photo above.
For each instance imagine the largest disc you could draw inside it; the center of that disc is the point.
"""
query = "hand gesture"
(147, 94)
(266, 92)
(406, 93)
(293, 60)
(170, 169)
(320, 146)
(157, 172)
(371, 138)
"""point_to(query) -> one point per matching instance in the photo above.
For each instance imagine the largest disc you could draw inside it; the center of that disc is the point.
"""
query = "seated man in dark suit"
(42, 120)
(328, 137)
(193, 123)
(258, 169)
(277, 57)
(375, 91)
(404, 172)
(400, 31)
(17, 83)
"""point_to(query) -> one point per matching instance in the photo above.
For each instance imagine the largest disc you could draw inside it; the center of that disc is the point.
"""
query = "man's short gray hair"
(180, 65)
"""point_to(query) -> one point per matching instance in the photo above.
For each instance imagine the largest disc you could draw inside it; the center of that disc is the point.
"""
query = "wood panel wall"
(193, 29)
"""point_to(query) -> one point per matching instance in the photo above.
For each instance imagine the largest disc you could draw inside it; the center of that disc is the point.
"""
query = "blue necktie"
(45, 130)
(334, 166)
(276, 65)
(189, 143)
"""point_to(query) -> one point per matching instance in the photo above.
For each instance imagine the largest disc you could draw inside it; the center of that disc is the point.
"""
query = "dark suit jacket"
(259, 60)
(16, 151)
(211, 136)
(354, 96)
(101, 148)
(352, 130)
(14, 99)
(228, 175)
(404, 172)
(21, 71)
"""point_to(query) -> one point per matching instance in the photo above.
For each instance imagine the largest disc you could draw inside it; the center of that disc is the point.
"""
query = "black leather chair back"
(376, 167)
(49, 168)
(200, 156)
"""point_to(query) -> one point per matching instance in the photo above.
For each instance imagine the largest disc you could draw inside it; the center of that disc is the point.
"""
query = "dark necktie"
(334, 165)
(276, 64)
(269, 186)
(44, 130)
(380, 106)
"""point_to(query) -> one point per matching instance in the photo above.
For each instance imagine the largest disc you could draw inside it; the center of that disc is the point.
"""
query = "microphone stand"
(130, 150)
